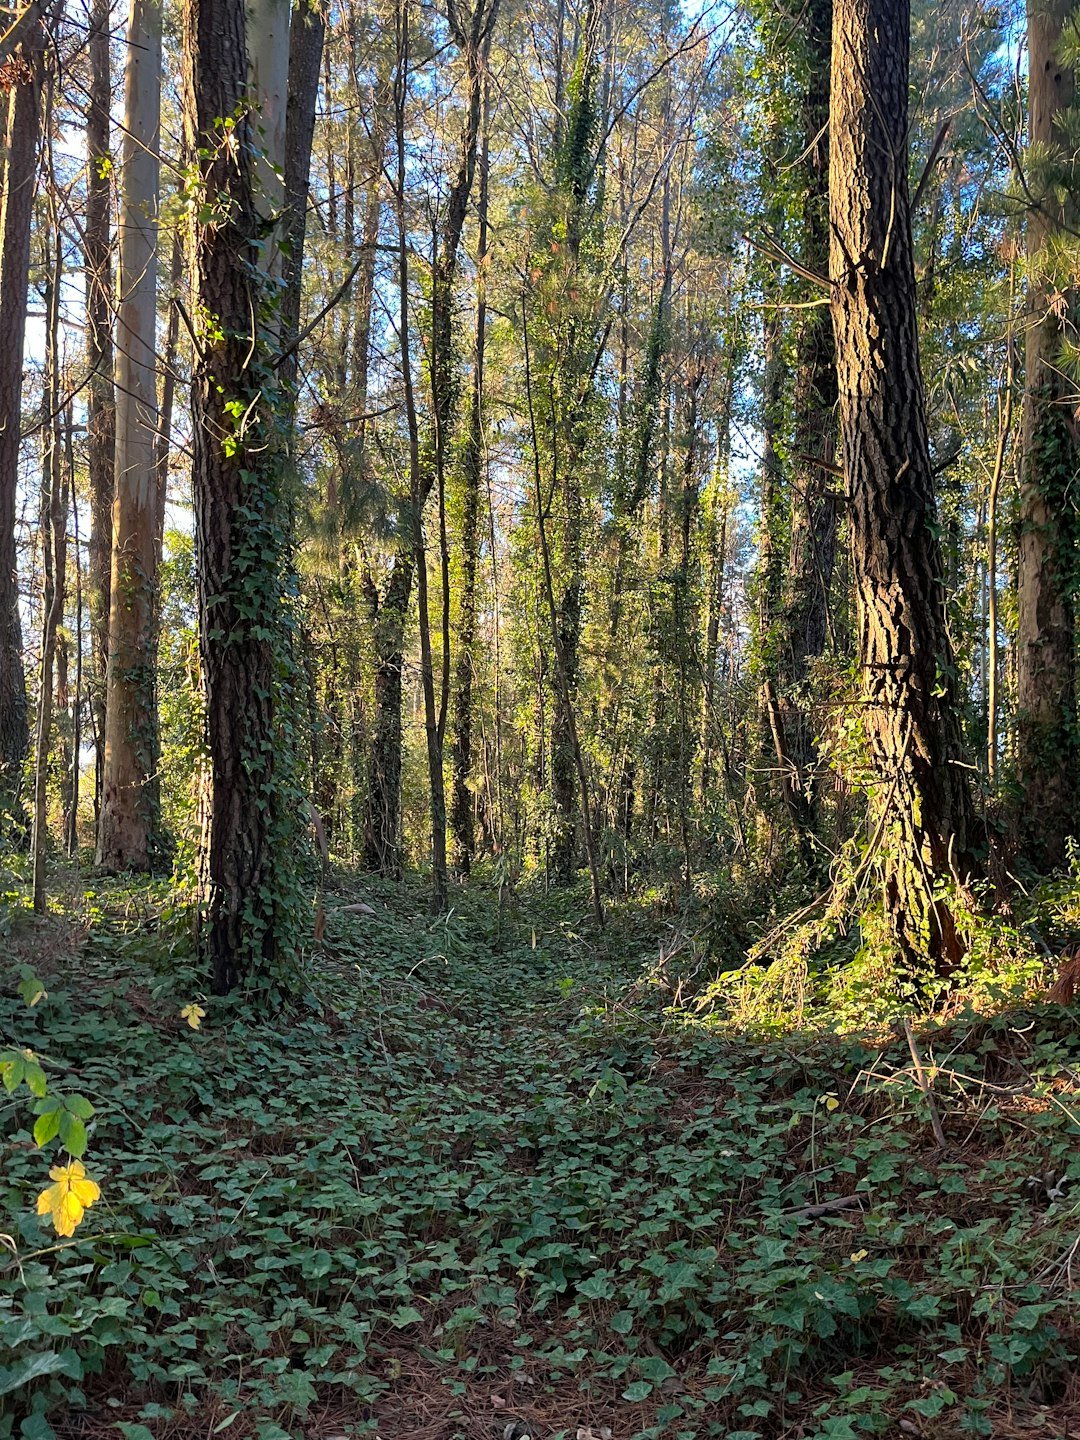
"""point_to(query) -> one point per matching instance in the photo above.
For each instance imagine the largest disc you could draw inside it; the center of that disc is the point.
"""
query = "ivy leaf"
(637, 1391)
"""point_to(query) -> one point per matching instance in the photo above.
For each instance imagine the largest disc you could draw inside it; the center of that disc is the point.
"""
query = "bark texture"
(921, 799)
(1048, 744)
(237, 476)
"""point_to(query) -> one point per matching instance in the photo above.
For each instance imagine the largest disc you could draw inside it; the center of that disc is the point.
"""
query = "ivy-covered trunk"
(253, 831)
(921, 802)
(100, 394)
(16, 206)
(1048, 742)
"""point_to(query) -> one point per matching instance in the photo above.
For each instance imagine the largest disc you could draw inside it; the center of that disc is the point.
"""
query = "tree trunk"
(163, 448)
(253, 829)
(129, 821)
(16, 207)
(1048, 744)
(54, 503)
(100, 396)
(471, 32)
(461, 822)
(305, 63)
(921, 801)
(812, 551)
(382, 813)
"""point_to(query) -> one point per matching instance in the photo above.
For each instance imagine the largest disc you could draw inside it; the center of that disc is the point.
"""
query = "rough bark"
(921, 799)
(129, 818)
(1048, 742)
(251, 832)
(23, 105)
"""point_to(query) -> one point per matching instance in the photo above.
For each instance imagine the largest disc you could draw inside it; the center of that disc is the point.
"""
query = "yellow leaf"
(858, 1255)
(67, 1200)
(193, 1014)
(831, 1103)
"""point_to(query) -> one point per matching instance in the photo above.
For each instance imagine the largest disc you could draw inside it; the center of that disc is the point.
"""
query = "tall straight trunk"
(129, 819)
(389, 613)
(1048, 745)
(308, 35)
(71, 834)
(471, 31)
(417, 490)
(911, 716)
(54, 502)
(1005, 422)
(266, 39)
(21, 132)
(472, 468)
(812, 550)
(169, 359)
(100, 396)
(253, 828)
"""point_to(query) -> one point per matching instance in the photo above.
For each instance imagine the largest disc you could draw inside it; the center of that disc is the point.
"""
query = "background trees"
(523, 537)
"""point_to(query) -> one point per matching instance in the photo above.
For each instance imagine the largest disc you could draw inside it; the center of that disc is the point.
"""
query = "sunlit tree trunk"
(921, 802)
(128, 825)
(1048, 742)
(20, 163)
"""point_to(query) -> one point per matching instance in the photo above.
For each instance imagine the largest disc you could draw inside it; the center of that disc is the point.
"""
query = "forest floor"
(485, 1182)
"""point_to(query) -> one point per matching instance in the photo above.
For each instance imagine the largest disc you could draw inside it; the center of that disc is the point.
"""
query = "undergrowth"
(485, 1172)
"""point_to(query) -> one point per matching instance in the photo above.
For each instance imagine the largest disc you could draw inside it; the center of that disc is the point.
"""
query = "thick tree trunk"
(100, 396)
(922, 802)
(129, 820)
(1048, 742)
(253, 827)
(23, 105)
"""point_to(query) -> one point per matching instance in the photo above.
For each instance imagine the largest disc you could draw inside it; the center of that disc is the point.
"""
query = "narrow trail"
(481, 1186)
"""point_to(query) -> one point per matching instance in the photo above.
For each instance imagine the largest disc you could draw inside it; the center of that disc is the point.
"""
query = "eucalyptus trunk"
(129, 818)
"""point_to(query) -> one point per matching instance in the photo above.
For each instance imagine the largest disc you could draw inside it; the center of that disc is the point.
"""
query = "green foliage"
(486, 1158)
